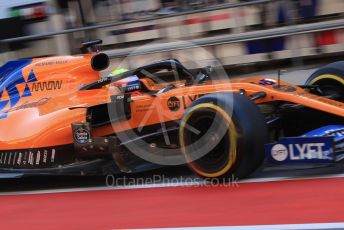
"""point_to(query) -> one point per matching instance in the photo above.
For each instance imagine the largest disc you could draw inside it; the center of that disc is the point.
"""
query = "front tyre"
(330, 79)
(222, 135)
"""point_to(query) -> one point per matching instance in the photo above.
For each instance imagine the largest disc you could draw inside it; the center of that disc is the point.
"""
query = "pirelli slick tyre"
(330, 79)
(222, 135)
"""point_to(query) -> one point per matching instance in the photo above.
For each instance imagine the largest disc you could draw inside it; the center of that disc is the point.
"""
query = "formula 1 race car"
(58, 117)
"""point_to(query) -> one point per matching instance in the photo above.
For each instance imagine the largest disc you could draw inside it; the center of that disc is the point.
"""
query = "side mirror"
(209, 70)
(204, 74)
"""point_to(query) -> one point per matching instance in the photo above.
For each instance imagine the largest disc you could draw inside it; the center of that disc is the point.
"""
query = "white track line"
(265, 227)
(309, 177)
(195, 182)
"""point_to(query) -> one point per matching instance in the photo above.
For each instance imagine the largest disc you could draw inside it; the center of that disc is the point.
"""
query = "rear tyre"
(330, 79)
(231, 137)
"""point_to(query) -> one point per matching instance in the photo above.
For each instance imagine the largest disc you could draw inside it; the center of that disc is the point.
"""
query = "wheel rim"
(223, 156)
(334, 89)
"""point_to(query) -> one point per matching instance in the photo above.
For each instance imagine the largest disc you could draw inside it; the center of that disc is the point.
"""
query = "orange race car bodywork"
(41, 99)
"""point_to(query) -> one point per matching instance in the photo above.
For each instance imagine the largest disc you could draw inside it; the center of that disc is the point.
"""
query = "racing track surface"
(271, 199)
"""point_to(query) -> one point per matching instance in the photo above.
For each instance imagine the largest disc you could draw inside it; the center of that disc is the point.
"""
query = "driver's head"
(129, 84)
(117, 71)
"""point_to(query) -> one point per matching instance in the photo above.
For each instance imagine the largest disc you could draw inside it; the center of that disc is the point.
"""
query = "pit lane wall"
(237, 19)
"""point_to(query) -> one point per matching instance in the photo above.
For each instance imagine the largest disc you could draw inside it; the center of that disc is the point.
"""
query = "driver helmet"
(129, 84)
(118, 71)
